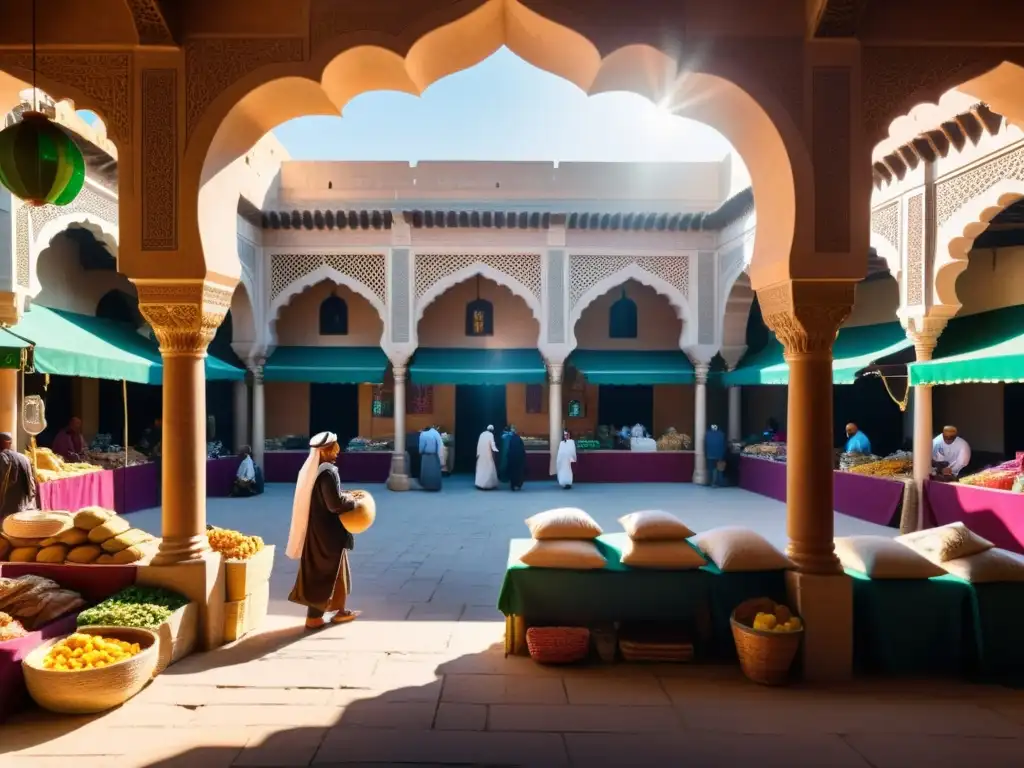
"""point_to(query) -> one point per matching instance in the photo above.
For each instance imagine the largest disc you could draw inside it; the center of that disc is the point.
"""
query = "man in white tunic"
(951, 452)
(564, 460)
(486, 471)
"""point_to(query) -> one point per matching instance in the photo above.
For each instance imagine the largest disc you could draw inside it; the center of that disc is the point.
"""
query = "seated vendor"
(69, 443)
(856, 441)
(247, 480)
(950, 453)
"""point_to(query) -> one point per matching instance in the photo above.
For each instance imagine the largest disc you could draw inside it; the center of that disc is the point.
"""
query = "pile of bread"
(93, 535)
(34, 601)
(948, 549)
(568, 538)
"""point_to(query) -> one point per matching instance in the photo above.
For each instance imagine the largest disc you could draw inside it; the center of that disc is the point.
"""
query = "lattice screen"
(366, 268)
(587, 271)
(432, 268)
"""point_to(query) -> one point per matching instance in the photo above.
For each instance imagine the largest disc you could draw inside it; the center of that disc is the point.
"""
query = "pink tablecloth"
(874, 499)
(355, 467)
(72, 493)
(996, 515)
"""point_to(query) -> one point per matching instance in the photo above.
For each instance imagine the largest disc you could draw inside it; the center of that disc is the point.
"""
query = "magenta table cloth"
(220, 476)
(996, 515)
(72, 493)
(13, 694)
(355, 467)
(629, 467)
(874, 499)
(136, 488)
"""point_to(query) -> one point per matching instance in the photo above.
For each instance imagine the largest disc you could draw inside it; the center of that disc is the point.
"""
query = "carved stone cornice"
(806, 314)
(184, 315)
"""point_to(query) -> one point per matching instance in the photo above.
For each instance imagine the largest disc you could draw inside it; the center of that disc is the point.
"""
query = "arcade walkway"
(420, 679)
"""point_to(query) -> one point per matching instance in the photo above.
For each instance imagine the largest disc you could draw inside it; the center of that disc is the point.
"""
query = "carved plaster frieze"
(885, 222)
(160, 159)
(184, 315)
(150, 23)
(915, 251)
(952, 193)
(586, 271)
(806, 315)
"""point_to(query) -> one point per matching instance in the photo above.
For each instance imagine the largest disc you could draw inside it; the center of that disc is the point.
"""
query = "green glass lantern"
(39, 162)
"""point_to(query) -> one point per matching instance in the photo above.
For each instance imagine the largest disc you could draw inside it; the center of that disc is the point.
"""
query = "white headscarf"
(304, 494)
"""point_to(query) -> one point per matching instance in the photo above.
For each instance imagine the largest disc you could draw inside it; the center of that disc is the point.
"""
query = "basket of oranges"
(92, 670)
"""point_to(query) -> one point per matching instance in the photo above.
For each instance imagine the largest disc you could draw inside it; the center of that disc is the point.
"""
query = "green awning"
(11, 349)
(855, 349)
(633, 367)
(477, 366)
(985, 348)
(69, 344)
(327, 365)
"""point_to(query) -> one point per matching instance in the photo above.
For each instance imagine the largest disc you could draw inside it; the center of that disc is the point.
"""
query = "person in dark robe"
(17, 484)
(503, 455)
(515, 459)
(412, 454)
(318, 539)
(430, 459)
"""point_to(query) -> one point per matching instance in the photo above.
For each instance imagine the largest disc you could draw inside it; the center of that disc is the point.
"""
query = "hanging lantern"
(39, 162)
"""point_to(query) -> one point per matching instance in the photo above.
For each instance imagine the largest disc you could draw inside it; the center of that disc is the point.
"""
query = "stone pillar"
(259, 416)
(184, 316)
(805, 316)
(398, 479)
(925, 335)
(735, 432)
(9, 401)
(555, 421)
(241, 395)
(700, 423)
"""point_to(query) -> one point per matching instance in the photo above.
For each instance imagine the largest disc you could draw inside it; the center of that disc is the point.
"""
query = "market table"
(705, 596)
(136, 488)
(354, 466)
(70, 494)
(996, 515)
(220, 476)
(633, 467)
(538, 465)
(874, 499)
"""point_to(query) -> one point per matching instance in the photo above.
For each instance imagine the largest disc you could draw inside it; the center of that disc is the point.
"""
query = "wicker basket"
(765, 657)
(90, 691)
(558, 645)
(32, 524)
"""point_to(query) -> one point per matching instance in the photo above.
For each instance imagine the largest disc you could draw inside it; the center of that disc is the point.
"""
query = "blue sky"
(504, 109)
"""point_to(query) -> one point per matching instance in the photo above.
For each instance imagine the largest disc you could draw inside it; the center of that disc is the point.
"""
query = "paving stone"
(630, 692)
(565, 718)
(460, 717)
(444, 747)
(502, 689)
(893, 750)
(281, 748)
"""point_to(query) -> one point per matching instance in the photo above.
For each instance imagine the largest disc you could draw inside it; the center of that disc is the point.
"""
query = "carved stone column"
(925, 335)
(398, 479)
(241, 408)
(259, 415)
(184, 316)
(555, 373)
(700, 423)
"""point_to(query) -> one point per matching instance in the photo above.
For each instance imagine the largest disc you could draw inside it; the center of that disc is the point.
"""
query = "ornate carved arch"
(437, 273)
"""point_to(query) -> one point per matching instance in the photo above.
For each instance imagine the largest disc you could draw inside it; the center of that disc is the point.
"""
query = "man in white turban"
(950, 453)
(317, 539)
(486, 471)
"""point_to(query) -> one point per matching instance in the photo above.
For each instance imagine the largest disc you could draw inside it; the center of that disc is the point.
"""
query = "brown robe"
(323, 569)
(17, 485)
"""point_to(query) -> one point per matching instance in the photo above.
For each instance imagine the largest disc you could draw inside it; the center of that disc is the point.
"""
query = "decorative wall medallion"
(159, 159)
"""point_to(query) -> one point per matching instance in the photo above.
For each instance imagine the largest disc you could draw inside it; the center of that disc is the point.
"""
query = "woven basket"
(765, 657)
(558, 645)
(90, 691)
(31, 524)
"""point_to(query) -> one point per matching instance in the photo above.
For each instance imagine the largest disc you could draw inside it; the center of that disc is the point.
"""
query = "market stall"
(998, 515)
(365, 466)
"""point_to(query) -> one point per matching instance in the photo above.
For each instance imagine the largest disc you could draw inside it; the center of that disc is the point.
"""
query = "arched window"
(622, 318)
(334, 316)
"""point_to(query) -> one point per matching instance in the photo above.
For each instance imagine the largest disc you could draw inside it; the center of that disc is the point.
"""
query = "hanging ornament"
(39, 161)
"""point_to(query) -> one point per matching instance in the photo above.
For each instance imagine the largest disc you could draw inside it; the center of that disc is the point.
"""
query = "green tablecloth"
(620, 593)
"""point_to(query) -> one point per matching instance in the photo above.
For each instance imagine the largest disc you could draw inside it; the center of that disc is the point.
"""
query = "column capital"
(700, 372)
(555, 372)
(924, 332)
(400, 372)
(806, 315)
(184, 314)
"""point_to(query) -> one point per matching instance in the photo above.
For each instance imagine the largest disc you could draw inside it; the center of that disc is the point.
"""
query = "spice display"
(899, 464)
(998, 479)
(114, 457)
(366, 445)
(674, 441)
(232, 544)
(36, 601)
(779, 620)
(772, 451)
(142, 607)
(10, 628)
(50, 466)
(80, 651)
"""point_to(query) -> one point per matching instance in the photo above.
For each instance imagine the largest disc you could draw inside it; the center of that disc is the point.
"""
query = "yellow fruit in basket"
(81, 651)
(782, 613)
(765, 622)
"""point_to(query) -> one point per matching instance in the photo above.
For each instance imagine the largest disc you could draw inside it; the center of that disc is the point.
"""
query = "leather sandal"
(344, 617)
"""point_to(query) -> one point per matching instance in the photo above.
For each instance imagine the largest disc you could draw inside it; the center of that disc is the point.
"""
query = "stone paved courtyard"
(421, 679)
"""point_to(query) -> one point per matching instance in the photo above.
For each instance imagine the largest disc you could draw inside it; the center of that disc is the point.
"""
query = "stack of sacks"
(880, 557)
(734, 549)
(959, 551)
(103, 537)
(658, 540)
(563, 538)
(25, 534)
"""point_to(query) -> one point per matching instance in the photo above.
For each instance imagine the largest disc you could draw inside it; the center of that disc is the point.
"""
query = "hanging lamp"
(39, 162)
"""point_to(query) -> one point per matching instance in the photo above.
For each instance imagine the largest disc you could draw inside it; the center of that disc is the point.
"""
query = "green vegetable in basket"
(142, 607)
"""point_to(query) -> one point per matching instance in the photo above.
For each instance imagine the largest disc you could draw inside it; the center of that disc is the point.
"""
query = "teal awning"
(985, 348)
(327, 365)
(633, 367)
(854, 350)
(69, 344)
(11, 349)
(477, 366)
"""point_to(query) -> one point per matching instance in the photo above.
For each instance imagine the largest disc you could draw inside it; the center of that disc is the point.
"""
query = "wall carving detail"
(885, 222)
(159, 159)
(214, 64)
(184, 316)
(431, 268)
(368, 269)
(22, 250)
(952, 193)
(806, 318)
(105, 78)
(401, 308)
(88, 203)
(707, 297)
(915, 251)
(587, 271)
(556, 297)
(150, 23)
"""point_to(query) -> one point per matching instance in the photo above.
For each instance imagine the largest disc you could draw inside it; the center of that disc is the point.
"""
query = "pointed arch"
(888, 253)
(635, 272)
(443, 284)
(106, 232)
(957, 235)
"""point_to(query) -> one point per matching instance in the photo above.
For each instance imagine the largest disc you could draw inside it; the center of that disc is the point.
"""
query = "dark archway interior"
(92, 254)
